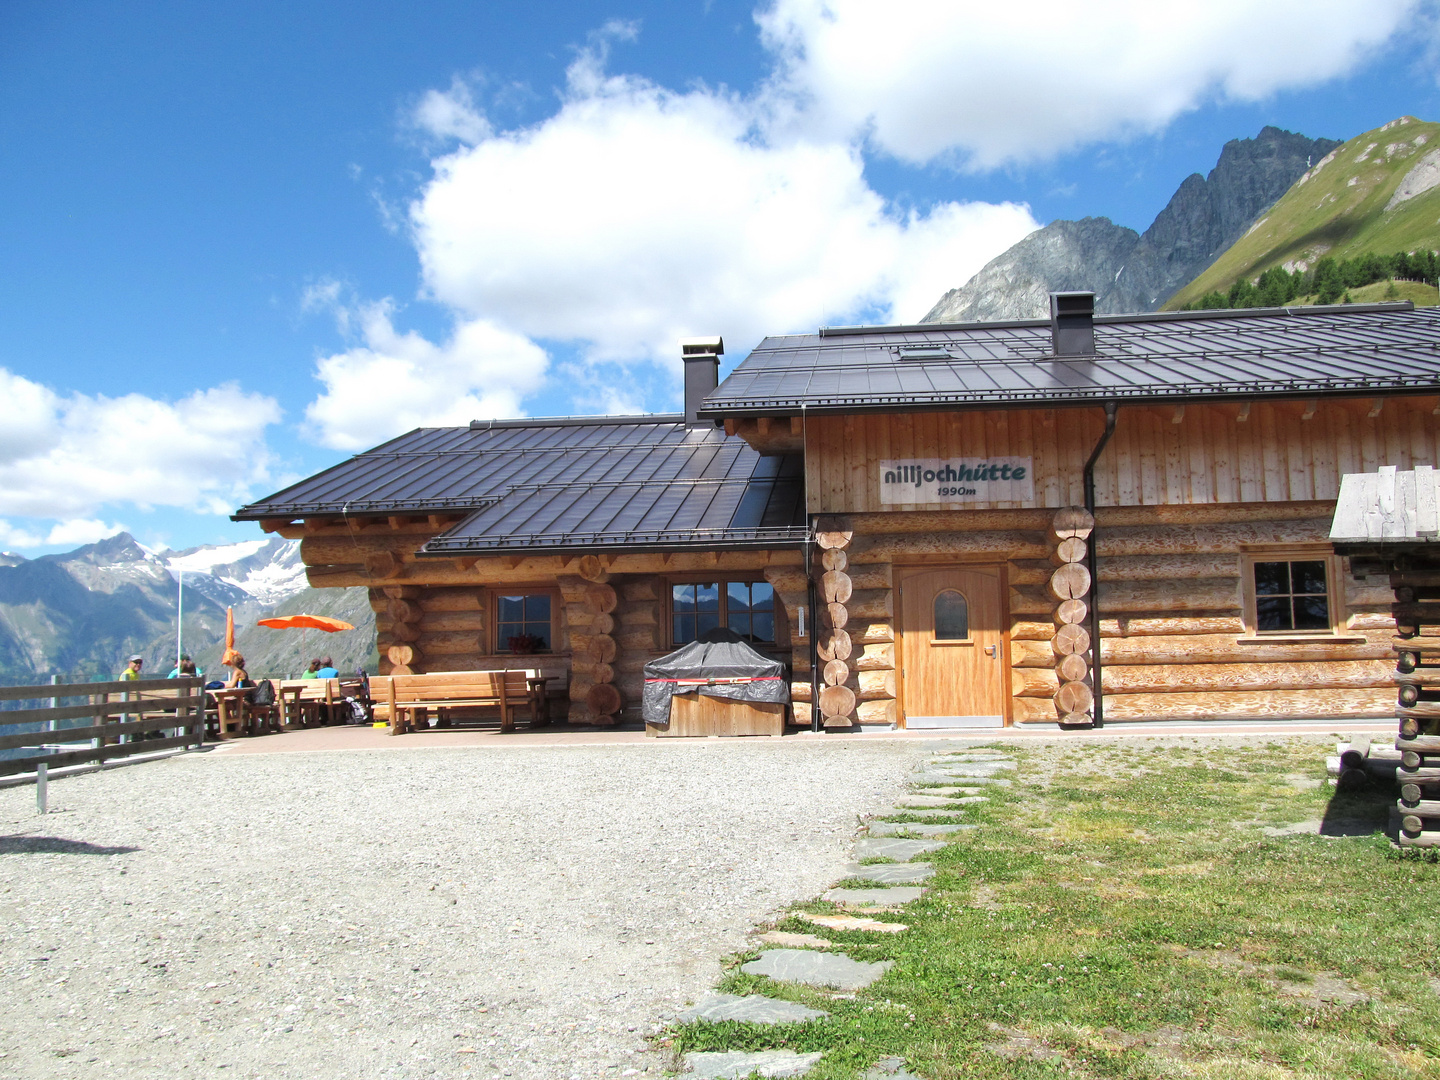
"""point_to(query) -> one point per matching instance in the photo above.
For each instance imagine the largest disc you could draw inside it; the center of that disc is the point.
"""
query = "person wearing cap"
(132, 669)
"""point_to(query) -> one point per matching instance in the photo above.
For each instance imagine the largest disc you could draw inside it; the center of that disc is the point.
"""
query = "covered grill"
(716, 685)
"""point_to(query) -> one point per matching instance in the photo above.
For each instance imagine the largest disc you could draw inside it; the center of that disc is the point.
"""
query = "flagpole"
(179, 616)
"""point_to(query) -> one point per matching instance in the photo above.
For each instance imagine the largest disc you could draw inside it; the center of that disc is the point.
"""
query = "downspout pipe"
(1111, 408)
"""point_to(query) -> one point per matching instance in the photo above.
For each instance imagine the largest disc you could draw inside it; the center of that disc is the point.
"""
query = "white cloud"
(451, 114)
(396, 381)
(1001, 83)
(63, 458)
(636, 215)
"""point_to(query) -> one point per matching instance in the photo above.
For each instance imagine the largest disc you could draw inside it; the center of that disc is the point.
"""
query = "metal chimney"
(1072, 323)
(702, 373)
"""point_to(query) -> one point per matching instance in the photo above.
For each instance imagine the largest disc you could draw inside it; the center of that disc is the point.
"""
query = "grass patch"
(1131, 920)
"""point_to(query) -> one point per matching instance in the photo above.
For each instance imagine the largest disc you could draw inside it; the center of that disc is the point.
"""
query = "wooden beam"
(467, 563)
(271, 525)
(513, 561)
(1310, 407)
(1244, 413)
(1375, 407)
(763, 425)
(729, 425)
(797, 424)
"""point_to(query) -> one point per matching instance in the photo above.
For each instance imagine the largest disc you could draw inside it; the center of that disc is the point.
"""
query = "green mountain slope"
(1379, 193)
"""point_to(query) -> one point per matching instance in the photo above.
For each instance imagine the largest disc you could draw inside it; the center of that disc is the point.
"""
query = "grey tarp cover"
(720, 654)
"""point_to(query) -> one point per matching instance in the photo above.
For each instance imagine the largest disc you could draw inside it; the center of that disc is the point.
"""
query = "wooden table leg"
(222, 709)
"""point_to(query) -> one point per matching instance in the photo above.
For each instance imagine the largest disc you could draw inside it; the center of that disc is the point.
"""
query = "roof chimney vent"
(701, 356)
(1072, 323)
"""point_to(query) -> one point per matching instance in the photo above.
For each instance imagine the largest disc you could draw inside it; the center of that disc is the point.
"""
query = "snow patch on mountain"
(265, 570)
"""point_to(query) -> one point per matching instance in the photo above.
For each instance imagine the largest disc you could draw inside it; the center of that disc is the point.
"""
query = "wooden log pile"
(834, 645)
(1069, 586)
(1417, 679)
(590, 603)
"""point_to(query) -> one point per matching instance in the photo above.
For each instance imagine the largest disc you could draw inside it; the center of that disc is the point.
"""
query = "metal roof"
(1183, 356)
(569, 483)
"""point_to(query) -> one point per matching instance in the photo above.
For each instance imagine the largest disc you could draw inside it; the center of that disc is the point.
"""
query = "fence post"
(42, 788)
(54, 703)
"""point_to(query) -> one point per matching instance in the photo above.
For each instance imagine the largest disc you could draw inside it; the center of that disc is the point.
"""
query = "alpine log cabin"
(932, 525)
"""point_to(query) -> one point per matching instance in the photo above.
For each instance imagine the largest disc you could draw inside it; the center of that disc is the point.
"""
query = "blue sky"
(243, 241)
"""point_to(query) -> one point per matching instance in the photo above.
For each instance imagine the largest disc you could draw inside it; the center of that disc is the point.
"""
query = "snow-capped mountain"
(79, 614)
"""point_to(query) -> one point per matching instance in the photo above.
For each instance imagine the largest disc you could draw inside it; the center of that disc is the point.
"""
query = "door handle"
(990, 651)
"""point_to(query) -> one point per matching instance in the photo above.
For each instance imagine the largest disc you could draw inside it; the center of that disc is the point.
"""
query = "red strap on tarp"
(718, 682)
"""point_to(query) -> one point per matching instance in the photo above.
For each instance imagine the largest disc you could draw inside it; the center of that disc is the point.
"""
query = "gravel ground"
(509, 911)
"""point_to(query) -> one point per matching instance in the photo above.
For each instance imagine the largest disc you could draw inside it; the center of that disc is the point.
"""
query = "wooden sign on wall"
(940, 481)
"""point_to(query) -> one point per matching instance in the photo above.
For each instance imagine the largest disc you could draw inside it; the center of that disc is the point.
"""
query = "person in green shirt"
(132, 669)
(311, 672)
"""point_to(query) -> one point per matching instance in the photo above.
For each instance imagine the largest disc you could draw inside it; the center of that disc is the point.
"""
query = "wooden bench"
(301, 699)
(405, 695)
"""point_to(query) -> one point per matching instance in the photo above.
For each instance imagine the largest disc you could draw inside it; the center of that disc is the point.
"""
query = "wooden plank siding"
(1210, 455)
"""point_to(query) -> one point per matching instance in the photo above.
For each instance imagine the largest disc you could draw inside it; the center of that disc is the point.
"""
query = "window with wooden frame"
(1291, 592)
(523, 620)
(746, 607)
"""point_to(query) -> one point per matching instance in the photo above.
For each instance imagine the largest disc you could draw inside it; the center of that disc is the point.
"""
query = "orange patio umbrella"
(230, 653)
(306, 622)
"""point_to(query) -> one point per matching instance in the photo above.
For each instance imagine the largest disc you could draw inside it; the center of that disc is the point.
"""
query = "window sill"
(1303, 639)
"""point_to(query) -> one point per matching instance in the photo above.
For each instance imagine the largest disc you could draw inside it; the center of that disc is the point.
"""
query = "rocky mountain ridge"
(80, 613)
(1130, 271)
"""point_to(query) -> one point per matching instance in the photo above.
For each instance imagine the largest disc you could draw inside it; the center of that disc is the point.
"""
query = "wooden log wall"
(1246, 452)
(1171, 629)
(834, 595)
(1416, 607)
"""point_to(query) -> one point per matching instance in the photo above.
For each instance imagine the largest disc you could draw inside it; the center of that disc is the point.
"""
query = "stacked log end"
(401, 605)
(1069, 587)
(590, 603)
(1417, 679)
(834, 645)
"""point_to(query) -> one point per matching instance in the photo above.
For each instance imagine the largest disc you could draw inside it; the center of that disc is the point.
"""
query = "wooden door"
(952, 664)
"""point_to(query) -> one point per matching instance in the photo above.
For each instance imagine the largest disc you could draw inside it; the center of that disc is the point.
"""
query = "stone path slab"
(788, 940)
(882, 847)
(889, 1068)
(751, 1009)
(925, 812)
(939, 800)
(892, 873)
(871, 898)
(898, 828)
(829, 970)
(952, 778)
(863, 922)
(736, 1065)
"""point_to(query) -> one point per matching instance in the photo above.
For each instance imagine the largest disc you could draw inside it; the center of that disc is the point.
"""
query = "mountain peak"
(1138, 273)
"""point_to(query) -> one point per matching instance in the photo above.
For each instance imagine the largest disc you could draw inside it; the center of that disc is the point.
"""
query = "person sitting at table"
(238, 675)
(185, 669)
(327, 670)
(311, 672)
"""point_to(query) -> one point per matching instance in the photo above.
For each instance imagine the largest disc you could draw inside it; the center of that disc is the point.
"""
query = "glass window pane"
(952, 616)
(683, 597)
(762, 596)
(1272, 613)
(705, 622)
(737, 596)
(707, 597)
(684, 629)
(763, 627)
(1272, 578)
(1308, 577)
(511, 608)
(1312, 613)
(739, 623)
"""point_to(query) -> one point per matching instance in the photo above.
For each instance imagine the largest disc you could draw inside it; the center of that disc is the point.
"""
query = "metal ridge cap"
(1413, 384)
(1121, 317)
(577, 421)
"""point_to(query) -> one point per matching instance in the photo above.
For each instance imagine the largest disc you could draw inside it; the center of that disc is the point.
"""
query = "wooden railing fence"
(117, 719)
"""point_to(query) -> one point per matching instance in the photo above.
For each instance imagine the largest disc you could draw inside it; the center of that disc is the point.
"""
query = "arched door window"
(952, 616)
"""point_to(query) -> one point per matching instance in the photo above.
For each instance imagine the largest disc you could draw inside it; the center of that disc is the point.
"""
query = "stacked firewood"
(1417, 676)
(1069, 585)
(833, 645)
